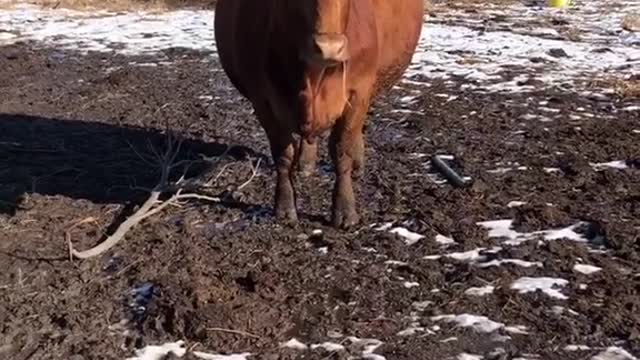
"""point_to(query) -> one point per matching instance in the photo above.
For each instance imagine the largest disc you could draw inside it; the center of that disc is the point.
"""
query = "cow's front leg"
(308, 156)
(282, 146)
(347, 153)
(285, 197)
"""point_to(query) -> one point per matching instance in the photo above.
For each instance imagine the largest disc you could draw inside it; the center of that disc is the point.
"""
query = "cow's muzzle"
(330, 49)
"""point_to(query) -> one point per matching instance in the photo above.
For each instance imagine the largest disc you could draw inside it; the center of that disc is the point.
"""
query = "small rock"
(558, 53)
(602, 50)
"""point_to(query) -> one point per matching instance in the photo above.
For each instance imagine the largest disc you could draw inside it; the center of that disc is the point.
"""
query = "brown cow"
(308, 66)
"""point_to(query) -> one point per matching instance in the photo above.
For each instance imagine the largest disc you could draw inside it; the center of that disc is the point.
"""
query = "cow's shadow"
(98, 162)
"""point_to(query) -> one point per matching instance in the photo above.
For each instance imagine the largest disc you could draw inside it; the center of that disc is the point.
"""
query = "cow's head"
(326, 55)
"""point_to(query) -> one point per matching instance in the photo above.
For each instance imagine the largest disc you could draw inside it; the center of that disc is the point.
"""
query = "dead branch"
(153, 205)
(236, 332)
(254, 172)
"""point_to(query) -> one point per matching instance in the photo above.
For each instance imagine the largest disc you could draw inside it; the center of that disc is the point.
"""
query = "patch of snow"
(294, 344)
(480, 291)
(618, 164)
(500, 170)
(545, 284)
(577, 348)
(471, 256)
(500, 338)
(459, 44)
(418, 155)
(503, 229)
(155, 352)
(548, 109)
(614, 353)
(205, 356)
(517, 329)
(159, 352)
(448, 340)
(384, 227)
(413, 329)
(517, 262)
(328, 346)
(480, 324)
(7, 37)
(559, 310)
(447, 49)
(465, 356)
(409, 284)
(422, 305)
(395, 263)
(586, 269)
(513, 204)
(367, 347)
(410, 237)
(408, 99)
(444, 240)
(131, 33)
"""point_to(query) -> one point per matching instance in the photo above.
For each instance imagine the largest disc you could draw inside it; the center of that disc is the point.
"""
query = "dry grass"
(115, 5)
(631, 22)
(625, 88)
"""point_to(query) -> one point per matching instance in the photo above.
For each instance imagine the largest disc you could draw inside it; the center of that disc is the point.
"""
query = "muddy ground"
(76, 139)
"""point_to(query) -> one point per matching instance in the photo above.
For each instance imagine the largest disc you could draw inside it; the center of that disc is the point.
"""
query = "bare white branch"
(153, 205)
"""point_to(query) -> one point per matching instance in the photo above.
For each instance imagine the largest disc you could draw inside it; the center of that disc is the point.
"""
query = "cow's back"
(399, 24)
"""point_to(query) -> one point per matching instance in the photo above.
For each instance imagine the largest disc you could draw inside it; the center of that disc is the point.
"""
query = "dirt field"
(432, 273)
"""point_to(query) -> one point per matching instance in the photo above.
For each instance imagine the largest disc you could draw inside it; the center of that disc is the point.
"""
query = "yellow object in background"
(559, 3)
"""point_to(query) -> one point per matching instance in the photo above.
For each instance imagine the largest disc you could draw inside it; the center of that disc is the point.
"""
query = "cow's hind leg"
(347, 153)
(282, 146)
(307, 156)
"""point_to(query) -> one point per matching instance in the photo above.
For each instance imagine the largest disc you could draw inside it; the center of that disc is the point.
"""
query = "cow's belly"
(399, 24)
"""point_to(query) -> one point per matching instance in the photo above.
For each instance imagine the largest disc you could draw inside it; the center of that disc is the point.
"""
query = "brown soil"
(69, 125)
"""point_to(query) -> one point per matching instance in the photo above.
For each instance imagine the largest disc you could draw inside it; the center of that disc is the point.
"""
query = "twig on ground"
(237, 332)
(152, 205)
(254, 172)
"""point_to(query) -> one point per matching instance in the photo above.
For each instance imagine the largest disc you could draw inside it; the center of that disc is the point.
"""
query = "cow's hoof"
(288, 216)
(307, 170)
(345, 219)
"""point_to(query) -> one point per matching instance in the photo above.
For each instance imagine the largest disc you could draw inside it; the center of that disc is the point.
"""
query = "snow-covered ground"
(516, 48)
